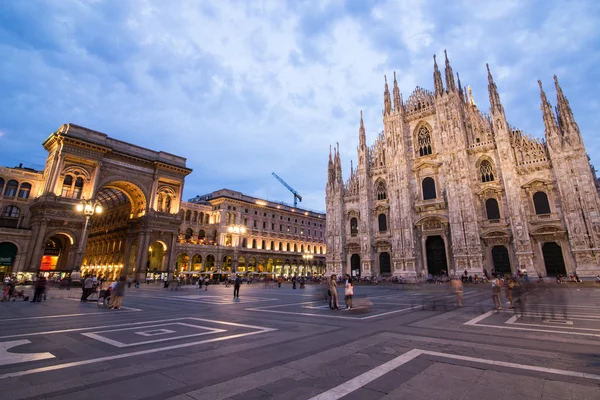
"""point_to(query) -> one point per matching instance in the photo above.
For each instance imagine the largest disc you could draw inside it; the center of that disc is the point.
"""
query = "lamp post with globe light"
(88, 208)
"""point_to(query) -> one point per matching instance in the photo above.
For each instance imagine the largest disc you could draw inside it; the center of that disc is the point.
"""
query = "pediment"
(537, 182)
(427, 163)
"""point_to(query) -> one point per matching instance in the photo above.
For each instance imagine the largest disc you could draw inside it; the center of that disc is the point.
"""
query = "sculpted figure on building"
(447, 188)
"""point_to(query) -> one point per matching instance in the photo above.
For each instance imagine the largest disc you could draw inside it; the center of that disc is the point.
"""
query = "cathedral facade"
(447, 188)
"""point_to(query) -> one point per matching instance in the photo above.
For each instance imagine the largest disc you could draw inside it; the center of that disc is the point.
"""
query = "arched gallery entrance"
(58, 250)
(436, 255)
(109, 247)
(385, 266)
(501, 261)
(553, 259)
(355, 266)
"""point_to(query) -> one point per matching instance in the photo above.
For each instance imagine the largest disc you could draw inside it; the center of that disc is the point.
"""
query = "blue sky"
(244, 88)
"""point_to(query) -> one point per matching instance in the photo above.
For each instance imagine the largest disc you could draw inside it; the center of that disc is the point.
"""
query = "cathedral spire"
(548, 115)
(362, 138)
(437, 79)
(564, 113)
(387, 102)
(450, 85)
(495, 103)
(460, 89)
(330, 169)
(397, 96)
(338, 164)
(471, 98)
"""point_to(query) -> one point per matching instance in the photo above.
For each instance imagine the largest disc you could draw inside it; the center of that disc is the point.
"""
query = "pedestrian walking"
(457, 286)
(348, 292)
(88, 287)
(333, 293)
(116, 295)
(496, 290)
(39, 288)
(294, 282)
(236, 286)
(279, 281)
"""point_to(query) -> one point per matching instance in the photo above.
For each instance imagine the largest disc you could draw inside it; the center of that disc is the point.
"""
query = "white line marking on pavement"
(89, 328)
(7, 357)
(514, 326)
(67, 315)
(144, 352)
(369, 376)
(98, 335)
(92, 302)
(512, 319)
(264, 309)
(479, 318)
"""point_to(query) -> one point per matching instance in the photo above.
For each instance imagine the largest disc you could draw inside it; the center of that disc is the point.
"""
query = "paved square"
(406, 342)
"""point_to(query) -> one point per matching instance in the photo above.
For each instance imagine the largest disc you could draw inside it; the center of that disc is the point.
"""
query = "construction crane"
(291, 189)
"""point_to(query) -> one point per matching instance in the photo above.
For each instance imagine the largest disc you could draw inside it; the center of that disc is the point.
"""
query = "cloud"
(242, 89)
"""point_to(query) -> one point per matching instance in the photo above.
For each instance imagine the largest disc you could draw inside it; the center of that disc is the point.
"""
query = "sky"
(245, 88)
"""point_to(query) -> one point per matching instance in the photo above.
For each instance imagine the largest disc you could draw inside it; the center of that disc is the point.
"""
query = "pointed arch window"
(11, 188)
(492, 210)
(381, 190)
(486, 171)
(424, 141)
(541, 204)
(382, 222)
(428, 186)
(353, 226)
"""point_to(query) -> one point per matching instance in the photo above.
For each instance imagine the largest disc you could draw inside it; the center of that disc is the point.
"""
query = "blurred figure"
(457, 286)
(509, 284)
(333, 293)
(348, 292)
(496, 290)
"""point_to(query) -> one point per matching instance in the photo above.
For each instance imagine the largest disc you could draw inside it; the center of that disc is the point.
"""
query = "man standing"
(236, 286)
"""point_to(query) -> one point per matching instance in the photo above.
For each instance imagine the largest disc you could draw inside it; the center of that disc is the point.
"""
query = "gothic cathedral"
(447, 188)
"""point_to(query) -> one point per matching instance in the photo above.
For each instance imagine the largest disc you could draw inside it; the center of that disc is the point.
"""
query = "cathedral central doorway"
(385, 266)
(501, 260)
(355, 266)
(436, 255)
(553, 259)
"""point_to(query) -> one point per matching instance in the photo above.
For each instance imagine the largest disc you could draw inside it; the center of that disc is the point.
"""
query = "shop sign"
(6, 261)
(51, 252)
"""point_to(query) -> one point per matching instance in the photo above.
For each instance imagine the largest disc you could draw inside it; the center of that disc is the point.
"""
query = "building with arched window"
(446, 188)
(145, 230)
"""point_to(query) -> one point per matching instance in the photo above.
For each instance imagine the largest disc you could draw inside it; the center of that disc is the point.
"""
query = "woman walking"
(117, 294)
(348, 292)
(457, 286)
(333, 293)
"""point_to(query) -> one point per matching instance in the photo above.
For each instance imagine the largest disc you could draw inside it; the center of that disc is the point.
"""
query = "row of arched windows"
(492, 209)
(12, 188)
(288, 246)
(197, 218)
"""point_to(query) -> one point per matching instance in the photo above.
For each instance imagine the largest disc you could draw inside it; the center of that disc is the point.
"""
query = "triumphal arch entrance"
(106, 206)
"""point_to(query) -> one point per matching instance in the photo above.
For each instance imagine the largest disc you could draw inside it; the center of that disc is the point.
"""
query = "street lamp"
(307, 258)
(87, 208)
(237, 229)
